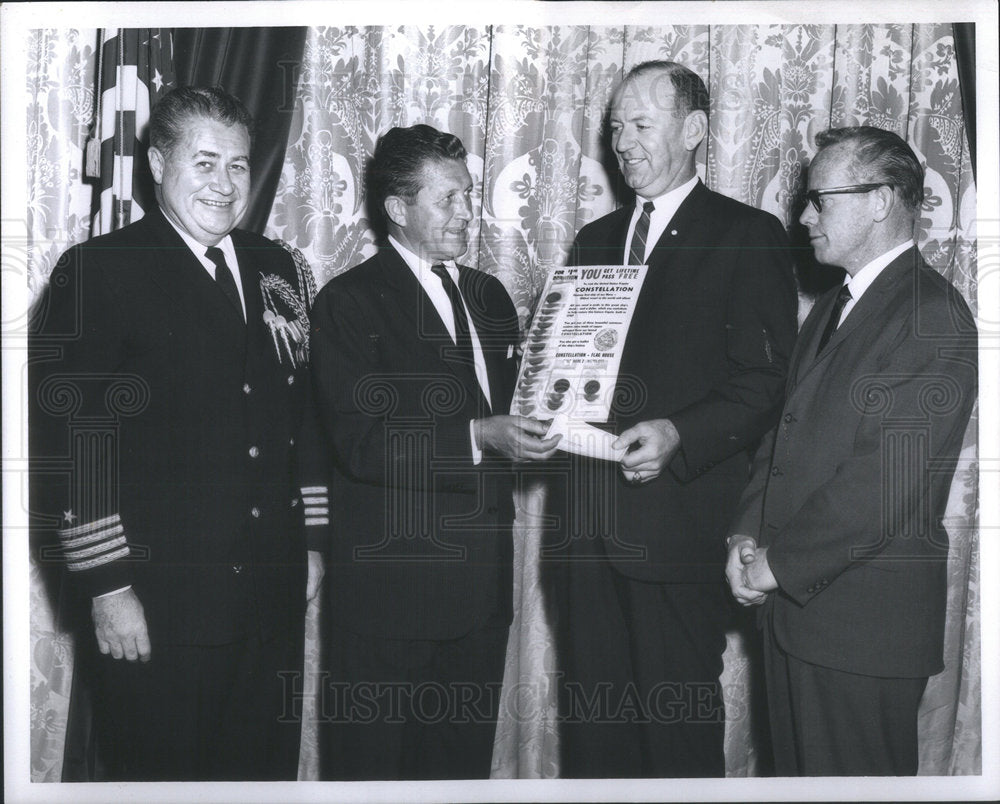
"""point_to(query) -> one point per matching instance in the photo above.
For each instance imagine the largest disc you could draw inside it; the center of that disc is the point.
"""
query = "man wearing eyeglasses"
(839, 535)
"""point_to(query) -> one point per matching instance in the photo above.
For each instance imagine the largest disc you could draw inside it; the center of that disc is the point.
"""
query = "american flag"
(136, 69)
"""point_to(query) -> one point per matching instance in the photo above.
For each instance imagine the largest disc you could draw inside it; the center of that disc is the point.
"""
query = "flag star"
(69, 516)
(157, 80)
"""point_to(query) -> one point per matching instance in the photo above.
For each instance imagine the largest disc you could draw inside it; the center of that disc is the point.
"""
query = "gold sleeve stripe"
(79, 541)
(106, 558)
(73, 556)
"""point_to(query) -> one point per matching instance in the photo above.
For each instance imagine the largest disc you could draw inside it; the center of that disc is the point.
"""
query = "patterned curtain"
(60, 104)
(529, 103)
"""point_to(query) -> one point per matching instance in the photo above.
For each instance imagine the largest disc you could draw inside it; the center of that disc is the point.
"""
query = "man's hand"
(651, 445)
(516, 437)
(757, 573)
(316, 570)
(742, 552)
(120, 626)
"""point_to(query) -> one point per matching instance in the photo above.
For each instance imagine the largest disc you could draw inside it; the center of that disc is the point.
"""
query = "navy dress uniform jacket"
(164, 431)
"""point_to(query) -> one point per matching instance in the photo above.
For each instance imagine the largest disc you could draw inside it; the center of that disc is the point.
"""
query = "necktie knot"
(648, 207)
(214, 253)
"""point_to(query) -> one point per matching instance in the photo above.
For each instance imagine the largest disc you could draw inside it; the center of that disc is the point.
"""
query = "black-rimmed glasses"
(815, 197)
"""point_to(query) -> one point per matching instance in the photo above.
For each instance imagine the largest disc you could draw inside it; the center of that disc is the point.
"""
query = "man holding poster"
(637, 569)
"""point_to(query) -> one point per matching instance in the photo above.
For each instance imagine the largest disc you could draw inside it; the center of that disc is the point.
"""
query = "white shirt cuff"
(115, 592)
(477, 454)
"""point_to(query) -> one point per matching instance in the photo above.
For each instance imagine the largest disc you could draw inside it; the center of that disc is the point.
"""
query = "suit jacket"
(708, 348)
(849, 490)
(421, 544)
(164, 428)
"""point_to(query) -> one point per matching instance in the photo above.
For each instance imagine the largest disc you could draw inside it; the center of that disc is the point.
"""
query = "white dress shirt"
(431, 284)
(227, 248)
(664, 207)
(863, 279)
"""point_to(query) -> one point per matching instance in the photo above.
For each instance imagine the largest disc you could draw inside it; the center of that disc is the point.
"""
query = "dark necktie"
(637, 248)
(463, 337)
(831, 325)
(224, 277)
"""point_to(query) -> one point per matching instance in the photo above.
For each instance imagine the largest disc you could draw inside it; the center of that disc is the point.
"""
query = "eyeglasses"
(815, 197)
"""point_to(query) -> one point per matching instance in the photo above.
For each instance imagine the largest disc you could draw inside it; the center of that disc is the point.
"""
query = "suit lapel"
(618, 232)
(871, 302)
(182, 277)
(411, 302)
(258, 337)
(493, 334)
(683, 227)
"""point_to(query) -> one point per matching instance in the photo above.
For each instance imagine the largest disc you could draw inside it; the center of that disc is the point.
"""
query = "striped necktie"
(637, 248)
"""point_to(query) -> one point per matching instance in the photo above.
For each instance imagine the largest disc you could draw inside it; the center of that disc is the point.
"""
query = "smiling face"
(435, 225)
(655, 146)
(203, 183)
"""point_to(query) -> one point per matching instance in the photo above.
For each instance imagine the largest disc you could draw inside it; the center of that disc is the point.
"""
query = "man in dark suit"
(839, 534)
(169, 385)
(640, 601)
(415, 366)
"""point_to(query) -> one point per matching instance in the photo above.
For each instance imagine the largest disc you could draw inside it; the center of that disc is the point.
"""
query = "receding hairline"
(846, 151)
(651, 73)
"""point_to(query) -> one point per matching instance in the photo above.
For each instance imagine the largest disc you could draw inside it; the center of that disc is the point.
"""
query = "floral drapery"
(60, 110)
(528, 103)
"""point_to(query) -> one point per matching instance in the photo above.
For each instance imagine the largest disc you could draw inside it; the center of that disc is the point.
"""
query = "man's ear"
(156, 162)
(884, 201)
(395, 210)
(695, 129)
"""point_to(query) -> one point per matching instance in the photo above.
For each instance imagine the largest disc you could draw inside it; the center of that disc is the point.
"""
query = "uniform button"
(246, 388)
(237, 569)
(775, 471)
(295, 501)
(254, 452)
(255, 512)
(789, 418)
(291, 442)
(291, 379)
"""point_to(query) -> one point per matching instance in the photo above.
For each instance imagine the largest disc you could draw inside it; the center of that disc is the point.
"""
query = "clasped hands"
(749, 575)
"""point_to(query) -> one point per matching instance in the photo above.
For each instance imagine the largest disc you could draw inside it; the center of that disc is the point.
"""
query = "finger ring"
(636, 477)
